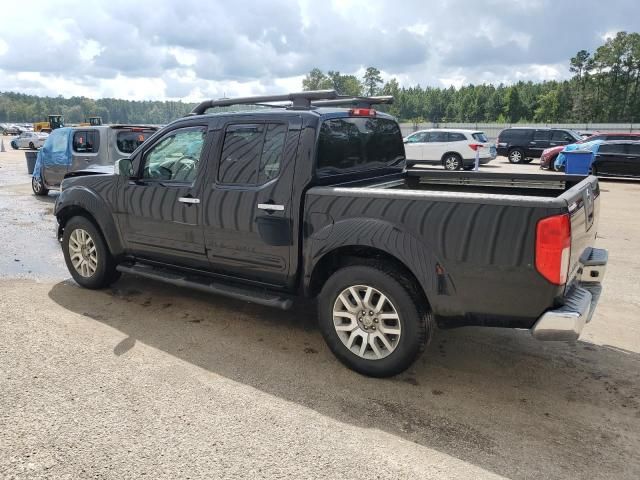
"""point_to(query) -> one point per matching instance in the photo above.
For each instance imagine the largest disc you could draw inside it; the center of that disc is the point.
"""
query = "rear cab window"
(356, 144)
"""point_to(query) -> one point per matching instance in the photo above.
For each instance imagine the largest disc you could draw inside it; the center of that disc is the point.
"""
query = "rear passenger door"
(560, 138)
(247, 200)
(538, 143)
(631, 165)
(610, 159)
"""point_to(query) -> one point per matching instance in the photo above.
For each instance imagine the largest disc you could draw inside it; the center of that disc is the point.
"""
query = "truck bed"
(469, 236)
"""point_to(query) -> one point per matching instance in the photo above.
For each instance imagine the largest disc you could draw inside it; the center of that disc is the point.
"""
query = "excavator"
(55, 121)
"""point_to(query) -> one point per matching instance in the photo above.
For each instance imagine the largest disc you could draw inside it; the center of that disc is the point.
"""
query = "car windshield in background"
(356, 144)
(129, 140)
(480, 136)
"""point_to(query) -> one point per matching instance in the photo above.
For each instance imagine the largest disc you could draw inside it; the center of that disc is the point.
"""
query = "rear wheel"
(37, 185)
(32, 146)
(452, 161)
(516, 155)
(86, 254)
(371, 320)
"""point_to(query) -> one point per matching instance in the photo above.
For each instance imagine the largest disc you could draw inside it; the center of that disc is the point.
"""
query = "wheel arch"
(82, 202)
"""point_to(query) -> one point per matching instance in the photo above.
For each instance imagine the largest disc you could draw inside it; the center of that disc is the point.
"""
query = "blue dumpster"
(578, 162)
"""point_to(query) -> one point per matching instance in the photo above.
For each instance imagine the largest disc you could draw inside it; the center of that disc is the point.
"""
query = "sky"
(195, 49)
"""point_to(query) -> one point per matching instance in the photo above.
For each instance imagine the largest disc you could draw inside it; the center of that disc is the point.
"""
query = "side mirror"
(124, 167)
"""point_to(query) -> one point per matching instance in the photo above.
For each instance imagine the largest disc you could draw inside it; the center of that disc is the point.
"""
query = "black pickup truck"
(311, 198)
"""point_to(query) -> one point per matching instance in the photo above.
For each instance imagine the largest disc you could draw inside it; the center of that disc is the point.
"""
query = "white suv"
(453, 148)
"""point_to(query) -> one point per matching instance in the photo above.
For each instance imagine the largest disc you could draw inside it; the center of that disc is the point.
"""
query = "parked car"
(69, 149)
(523, 144)
(30, 140)
(9, 129)
(617, 159)
(270, 204)
(453, 148)
(549, 156)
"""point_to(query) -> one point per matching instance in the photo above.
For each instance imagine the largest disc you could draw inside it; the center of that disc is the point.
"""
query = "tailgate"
(583, 201)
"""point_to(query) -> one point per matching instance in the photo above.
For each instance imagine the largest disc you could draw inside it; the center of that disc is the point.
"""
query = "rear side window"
(128, 140)
(439, 137)
(456, 137)
(480, 137)
(347, 145)
(515, 134)
(251, 153)
(86, 141)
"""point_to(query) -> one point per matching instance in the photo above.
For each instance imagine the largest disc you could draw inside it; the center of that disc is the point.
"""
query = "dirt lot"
(148, 380)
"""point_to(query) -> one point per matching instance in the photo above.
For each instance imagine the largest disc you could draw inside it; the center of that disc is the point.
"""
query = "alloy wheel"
(83, 253)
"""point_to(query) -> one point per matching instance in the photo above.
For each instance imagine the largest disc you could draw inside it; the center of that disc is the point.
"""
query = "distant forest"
(605, 87)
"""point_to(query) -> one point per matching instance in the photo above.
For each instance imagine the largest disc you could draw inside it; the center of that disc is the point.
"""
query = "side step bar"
(204, 284)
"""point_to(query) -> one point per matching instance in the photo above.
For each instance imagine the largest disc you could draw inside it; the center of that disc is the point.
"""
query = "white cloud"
(192, 49)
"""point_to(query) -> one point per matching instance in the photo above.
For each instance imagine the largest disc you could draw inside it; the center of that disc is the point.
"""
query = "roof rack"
(359, 102)
(299, 101)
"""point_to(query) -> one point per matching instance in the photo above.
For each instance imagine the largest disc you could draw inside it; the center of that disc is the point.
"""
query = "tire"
(452, 161)
(14, 145)
(104, 271)
(32, 146)
(516, 155)
(593, 171)
(413, 322)
(38, 187)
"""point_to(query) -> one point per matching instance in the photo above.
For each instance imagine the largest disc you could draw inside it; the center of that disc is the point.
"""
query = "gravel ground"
(146, 380)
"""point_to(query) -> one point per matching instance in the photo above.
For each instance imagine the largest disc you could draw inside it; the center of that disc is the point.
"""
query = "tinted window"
(86, 141)
(620, 137)
(456, 137)
(128, 140)
(176, 157)
(357, 144)
(438, 137)
(541, 135)
(560, 136)
(633, 149)
(520, 134)
(612, 148)
(252, 153)
(480, 137)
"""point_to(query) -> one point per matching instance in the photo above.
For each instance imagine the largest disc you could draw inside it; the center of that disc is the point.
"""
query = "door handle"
(188, 200)
(271, 206)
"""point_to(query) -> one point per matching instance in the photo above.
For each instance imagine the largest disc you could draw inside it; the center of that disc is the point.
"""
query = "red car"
(549, 155)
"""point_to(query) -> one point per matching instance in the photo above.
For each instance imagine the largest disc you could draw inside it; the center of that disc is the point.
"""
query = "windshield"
(353, 144)
(129, 140)
(480, 136)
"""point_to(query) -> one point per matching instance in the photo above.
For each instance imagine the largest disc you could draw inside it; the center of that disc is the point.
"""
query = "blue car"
(561, 161)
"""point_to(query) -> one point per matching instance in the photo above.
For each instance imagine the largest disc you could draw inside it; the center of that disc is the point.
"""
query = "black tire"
(452, 161)
(14, 145)
(105, 272)
(415, 321)
(516, 155)
(37, 185)
(32, 146)
(593, 171)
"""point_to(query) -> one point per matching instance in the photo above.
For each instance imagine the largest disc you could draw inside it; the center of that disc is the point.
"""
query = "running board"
(204, 284)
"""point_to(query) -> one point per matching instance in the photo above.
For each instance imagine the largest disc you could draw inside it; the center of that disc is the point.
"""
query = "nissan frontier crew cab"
(310, 197)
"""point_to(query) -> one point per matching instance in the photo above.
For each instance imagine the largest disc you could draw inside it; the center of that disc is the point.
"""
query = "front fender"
(77, 199)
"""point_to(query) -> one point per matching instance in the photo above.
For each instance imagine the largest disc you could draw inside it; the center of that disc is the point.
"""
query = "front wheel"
(452, 161)
(516, 155)
(37, 185)
(371, 320)
(32, 146)
(86, 254)
(14, 145)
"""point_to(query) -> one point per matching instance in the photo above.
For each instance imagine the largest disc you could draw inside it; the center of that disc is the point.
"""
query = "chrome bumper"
(566, 323)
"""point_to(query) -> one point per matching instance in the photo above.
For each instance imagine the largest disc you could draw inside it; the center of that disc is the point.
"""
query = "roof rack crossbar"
(358, 102)
(298, 100)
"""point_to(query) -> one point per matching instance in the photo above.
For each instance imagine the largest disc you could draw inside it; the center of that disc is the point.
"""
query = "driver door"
(162, 208)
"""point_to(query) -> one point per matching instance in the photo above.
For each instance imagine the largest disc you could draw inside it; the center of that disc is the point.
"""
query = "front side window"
(419, 137)
(438, 137)
(128, 140)
(541, 135)
(58, 142)
(251, 153)
(176, 157)
(559, 136)
(86, 141)
(613, 148)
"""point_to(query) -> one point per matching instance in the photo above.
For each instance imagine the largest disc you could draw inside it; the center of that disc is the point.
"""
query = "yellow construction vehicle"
(92, 122)
(55, 121)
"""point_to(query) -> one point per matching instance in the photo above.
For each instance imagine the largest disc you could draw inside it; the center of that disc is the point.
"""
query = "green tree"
(316, 80)
(371, 80)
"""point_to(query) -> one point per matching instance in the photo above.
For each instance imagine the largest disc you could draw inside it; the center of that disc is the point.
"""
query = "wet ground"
(143, 379)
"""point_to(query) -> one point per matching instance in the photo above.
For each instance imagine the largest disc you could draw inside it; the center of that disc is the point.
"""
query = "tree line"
(605, 87)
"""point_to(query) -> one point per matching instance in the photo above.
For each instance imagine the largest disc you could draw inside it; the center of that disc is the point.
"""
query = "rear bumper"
(566, 323)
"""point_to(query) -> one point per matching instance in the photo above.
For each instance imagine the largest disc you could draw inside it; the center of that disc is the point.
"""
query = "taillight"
(475, 146)
(362, 112)
(553, 248)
